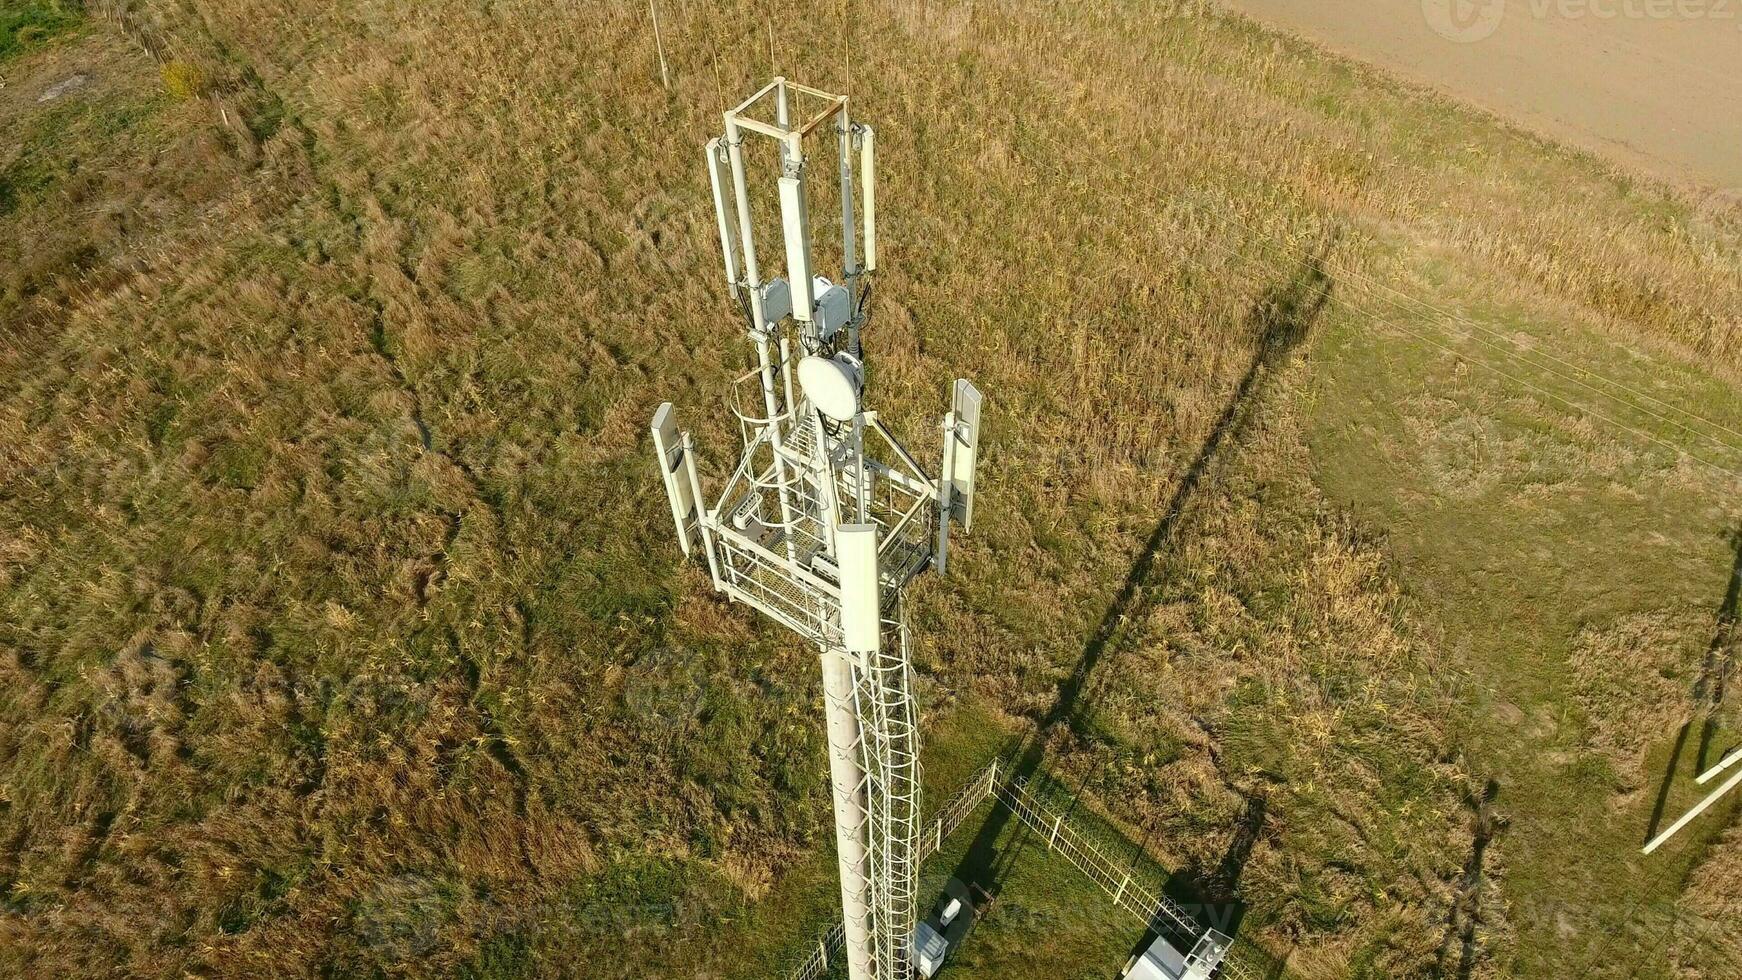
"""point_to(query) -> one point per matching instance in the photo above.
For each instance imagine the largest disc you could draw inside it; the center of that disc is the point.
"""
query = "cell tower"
(827, 516)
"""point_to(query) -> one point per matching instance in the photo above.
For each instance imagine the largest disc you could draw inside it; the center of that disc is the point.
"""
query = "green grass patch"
(1577, 565)
(29, 24)
(61, 141)
(1049, 921)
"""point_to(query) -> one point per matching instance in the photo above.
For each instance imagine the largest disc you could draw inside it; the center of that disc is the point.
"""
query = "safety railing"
(959, 808)
(751, 573)
(1132, 892)
(816, 965)
(1115, 877)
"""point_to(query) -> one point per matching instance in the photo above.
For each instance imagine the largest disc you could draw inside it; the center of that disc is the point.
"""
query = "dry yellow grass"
(341, 628)
(1703, 925)
(1633, 679)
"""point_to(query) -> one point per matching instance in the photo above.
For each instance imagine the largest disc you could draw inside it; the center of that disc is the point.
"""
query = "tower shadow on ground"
(1282, 319)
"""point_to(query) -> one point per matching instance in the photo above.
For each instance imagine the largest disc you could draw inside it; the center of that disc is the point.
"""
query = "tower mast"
(826, 517)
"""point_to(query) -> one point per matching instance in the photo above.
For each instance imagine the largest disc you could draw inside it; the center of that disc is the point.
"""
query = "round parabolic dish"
(831, 386)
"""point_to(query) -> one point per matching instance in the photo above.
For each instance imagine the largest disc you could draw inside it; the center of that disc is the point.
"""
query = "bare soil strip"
(1650, 85)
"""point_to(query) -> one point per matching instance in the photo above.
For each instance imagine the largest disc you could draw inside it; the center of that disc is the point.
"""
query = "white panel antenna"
(861, 598)
(795, 222)
(719, 176)
(955, 488)
(674, 469)
(827, 517)
(868, 171)
(966, 410)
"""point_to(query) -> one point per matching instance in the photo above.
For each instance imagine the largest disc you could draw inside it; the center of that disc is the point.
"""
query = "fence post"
(823, 947)
(1050, 841)
(1120, 893)
(940, 844)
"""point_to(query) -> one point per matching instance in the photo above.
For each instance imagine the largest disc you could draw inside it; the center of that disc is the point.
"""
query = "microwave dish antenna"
(832, 384)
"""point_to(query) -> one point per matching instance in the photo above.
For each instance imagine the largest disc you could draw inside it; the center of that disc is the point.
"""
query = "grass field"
(1355, 538)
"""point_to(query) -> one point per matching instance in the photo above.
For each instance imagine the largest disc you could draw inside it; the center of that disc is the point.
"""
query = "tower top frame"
(775, 92)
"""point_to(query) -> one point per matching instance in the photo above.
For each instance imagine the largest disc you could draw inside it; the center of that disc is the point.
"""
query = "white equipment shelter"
(826, 516)
(1164, 961)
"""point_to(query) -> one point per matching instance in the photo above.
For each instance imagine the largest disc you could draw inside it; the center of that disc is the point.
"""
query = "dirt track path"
(1654, 84)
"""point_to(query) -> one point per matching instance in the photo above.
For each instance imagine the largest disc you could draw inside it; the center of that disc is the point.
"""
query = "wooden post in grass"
(659, 45)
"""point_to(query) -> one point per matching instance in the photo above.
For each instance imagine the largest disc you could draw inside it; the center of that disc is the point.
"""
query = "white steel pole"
(704, 516)
(1699, 808)
(659, 43)
(849, 246)
(786, 372)
(741, 192)
(1721, 765)
(861, 638)
(852, 813)
(828, 497)
(946, 493)
(861, 474)
(753, 281)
